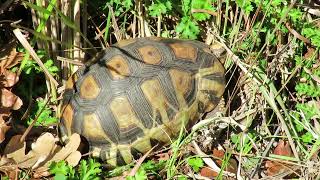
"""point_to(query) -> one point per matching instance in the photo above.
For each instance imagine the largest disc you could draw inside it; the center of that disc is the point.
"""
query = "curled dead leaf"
(10, 100)
(8, 78)
(9, 56)
(43, 152)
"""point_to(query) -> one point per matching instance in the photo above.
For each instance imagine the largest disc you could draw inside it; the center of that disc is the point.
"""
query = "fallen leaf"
(74, 158)
(208, 172)
(283, 148)
(10, 100)
(163, 156)
(70, 149)
(40, 151)
(9, 168)
(232, 165)
(275, 167)
(9, 57)
(8, 78)
(43, 152)
(15, 148)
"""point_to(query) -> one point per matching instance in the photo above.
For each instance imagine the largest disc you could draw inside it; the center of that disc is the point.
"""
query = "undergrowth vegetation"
(269, 126)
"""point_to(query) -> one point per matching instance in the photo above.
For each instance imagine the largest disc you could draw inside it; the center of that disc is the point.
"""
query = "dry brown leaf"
(3, 129)
(74, 158)
(38, 174)
(8, 167)
(68, 150)
(208, 172)
(163, 156)
(232, 164)
(283, 148)
(44, 151)
(9, 57)
(10, 100)
(40, 151)
(15, 148)
(8, 78)
(273, 167)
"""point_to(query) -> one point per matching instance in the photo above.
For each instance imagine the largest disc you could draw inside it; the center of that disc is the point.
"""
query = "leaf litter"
(43, 152)
(8, 100)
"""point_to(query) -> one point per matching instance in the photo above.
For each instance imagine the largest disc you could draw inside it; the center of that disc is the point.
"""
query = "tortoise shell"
(139, 93)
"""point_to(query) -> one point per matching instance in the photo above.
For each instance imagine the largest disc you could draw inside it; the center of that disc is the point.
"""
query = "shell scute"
(150, 54)
(184, 51)
(90, 88)
(118, 67)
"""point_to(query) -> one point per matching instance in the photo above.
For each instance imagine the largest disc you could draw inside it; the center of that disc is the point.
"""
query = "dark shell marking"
(138, 95)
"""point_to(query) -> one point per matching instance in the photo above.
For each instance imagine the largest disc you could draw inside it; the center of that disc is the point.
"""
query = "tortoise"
(138, 93)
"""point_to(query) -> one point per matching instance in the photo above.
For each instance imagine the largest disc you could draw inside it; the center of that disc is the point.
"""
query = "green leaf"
(141, 174)
(159, 8)
(202, 4)
(60, 167)
(276, 3)
(235, 139)
(313, 33)
(37, 8)
(152, 166)
(89, 171)
(45, 118)
(182, 178)
(307, 89)
(295, 15)
(307, 137)
(245, 5)
(187, 28)
(186, 6)
(60, 177)
(195, 163)
(121, 5)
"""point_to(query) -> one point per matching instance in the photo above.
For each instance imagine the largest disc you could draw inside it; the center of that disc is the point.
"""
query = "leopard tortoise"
(137, 94)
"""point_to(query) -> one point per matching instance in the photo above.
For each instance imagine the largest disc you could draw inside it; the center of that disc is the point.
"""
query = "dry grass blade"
(34, 55)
